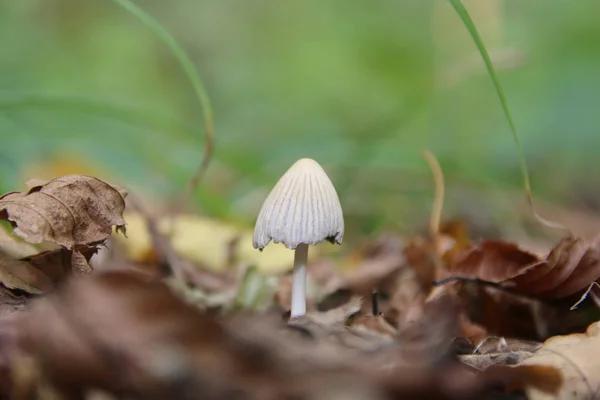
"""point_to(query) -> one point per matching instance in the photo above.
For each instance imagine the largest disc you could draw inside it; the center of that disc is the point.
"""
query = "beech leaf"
(70, 210)
(492, 261)
(570, 267)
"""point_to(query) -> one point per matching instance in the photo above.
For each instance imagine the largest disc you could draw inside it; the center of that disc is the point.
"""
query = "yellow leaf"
(209, 242)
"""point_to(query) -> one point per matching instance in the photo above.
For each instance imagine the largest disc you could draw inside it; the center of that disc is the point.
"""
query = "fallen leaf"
(116, 319)
(484, 361)
(207, 242)
(406, 297)
(11, 302)
(68, 211)
(501, 312)
(491, 261)
(569, 268)
(375, 266)
(21, 275)
(421, 256)
(80, 263)
(59, 263)
(372, 323)
(7, 350)
(457, 230)
(498, 344)
(120, 334)
(573, 358)
(428, 336)
(15, 246)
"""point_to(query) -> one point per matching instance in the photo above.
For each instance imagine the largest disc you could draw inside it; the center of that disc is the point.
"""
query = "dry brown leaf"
(372, 323)
(116, 319)
(542, 379)
(570, 267)
(79, 263)
(575, 359)
(491, 261)
(428, 337)
(457, 230)
(420, 253)
(406, 297)
(7, 349)
(69, 210)
(374, 267)
(378, 261)
(121, 334)
(21, 275)
(60, 263)
(504, 313)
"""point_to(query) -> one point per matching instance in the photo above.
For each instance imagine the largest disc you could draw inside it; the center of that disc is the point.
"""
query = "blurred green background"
(360, 86)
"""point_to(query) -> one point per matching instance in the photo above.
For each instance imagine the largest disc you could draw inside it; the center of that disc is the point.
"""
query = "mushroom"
(302, 209)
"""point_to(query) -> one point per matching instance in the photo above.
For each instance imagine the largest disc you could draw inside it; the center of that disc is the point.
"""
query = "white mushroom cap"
(303, 207)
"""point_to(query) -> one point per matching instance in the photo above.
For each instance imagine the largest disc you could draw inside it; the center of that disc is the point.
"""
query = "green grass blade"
(197, 84)
(470, 26)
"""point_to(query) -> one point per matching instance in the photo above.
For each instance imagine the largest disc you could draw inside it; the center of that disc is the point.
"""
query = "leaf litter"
(435, 316)
(73, 215)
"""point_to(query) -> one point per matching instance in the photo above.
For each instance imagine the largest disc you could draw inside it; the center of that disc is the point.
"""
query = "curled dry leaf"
(570, 267)
(70, 210)
(491, 261)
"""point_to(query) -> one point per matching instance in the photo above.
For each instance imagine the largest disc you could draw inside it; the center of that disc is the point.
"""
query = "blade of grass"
(197, 84)
(438, 206)
(470, 26)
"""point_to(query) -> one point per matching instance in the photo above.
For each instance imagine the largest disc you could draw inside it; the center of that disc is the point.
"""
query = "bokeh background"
(360, 86)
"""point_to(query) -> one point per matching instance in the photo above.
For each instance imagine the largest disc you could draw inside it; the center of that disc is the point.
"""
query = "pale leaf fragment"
(16, 274)
(576, 358)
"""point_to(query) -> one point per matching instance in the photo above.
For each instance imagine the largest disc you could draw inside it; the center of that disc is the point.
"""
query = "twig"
(375, 303)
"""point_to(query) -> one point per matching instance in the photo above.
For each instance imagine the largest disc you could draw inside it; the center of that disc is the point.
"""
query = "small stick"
(374, 303)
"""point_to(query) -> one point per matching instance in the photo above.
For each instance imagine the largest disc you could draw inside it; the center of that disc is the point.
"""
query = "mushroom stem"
(299, 281)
